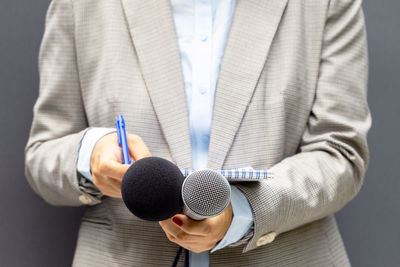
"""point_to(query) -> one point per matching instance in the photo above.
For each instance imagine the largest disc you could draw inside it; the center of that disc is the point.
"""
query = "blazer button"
(85, 199)
(265, 239)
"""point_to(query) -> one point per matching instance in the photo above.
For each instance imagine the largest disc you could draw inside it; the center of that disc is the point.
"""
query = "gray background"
(33, 233)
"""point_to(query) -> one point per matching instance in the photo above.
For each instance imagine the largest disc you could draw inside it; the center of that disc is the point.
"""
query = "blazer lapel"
(153, 34)
(253, 29)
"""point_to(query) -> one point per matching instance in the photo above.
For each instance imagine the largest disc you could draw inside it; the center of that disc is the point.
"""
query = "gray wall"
(36, 234)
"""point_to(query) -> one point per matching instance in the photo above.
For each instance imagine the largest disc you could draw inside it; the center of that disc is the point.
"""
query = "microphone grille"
(206, 193)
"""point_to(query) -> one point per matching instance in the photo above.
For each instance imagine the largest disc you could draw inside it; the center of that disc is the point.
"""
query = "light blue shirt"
(202, 28)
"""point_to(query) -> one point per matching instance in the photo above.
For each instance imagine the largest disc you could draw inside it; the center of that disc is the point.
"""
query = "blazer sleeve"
(329, 168)
(59, 121)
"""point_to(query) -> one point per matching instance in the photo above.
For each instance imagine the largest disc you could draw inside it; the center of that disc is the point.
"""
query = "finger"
(193, 243)
(113, 194)
(116, 188)
(137, 147)
(108, 186)
(114, 169)
(186, 240)
(200, 228)
(170, 228)
(173, 229)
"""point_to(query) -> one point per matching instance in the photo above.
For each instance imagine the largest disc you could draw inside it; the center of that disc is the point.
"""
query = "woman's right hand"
(106, 162)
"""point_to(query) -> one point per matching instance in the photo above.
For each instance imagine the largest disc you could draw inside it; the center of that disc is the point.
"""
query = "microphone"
(151, 189)
(155, 189)
(205, 194)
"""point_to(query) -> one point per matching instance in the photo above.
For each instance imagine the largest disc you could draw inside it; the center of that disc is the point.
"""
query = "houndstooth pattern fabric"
(291, 98)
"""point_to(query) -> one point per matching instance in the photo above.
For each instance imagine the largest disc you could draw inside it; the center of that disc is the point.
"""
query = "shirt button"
(203, 90)
(205, 138)
(204, 37)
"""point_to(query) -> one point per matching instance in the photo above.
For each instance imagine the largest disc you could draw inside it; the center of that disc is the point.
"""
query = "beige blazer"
(291, 96)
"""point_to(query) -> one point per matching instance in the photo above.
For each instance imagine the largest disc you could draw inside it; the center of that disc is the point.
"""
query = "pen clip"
(117, 126)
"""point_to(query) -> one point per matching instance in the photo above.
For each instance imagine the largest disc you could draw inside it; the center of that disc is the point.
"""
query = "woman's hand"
(197, 236)
(106, 162)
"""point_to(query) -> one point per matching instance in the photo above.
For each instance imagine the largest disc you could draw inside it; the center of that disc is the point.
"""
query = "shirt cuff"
(242, 220)
(89, 140)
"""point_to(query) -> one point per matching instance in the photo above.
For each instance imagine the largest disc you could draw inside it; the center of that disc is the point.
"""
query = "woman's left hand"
(197, 236)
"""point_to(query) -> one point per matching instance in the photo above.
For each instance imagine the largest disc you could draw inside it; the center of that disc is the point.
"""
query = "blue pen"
(122, 140)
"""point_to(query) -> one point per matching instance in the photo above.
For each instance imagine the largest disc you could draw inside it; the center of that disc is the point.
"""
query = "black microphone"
(155, 189)
(151, 189)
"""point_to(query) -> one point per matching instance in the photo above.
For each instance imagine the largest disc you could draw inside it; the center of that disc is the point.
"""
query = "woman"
(275, 84)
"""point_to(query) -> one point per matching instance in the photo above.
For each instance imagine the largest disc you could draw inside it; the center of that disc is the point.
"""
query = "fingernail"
(177, 221)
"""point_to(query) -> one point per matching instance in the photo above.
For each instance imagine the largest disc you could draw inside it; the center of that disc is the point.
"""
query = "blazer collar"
(253, 29)
(153, 34)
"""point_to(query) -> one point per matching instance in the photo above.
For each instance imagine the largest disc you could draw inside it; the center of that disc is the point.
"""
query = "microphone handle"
(238, 174)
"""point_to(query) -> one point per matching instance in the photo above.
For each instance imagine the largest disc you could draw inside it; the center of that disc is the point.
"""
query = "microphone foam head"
(151, 189)
(205, 193)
